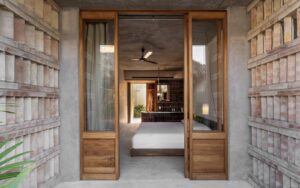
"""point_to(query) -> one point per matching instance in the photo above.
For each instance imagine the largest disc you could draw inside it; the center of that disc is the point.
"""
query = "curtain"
(99, 75)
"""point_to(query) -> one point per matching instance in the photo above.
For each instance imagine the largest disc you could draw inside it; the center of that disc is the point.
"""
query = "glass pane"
(207, 66)
(99, 76)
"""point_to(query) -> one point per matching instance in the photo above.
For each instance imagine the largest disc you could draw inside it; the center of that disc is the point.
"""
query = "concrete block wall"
(29, 88)
(274, 94)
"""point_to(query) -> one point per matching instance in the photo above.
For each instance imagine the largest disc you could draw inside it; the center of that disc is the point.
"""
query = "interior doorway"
(150, 54)
(137, 101)
(204, 135)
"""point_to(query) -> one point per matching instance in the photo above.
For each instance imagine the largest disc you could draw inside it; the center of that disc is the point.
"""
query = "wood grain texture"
(156, 152)
(208, 156)
(99, 156)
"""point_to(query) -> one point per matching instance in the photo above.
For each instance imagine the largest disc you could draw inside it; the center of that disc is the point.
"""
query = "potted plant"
(138, 109)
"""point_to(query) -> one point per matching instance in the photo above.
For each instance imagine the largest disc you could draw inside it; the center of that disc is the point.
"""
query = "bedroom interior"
(65, 65)
(161, 130)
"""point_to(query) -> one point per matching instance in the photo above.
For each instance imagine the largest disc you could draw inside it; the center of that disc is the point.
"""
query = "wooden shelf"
(21, 11)
(22, 50)
(275, 17)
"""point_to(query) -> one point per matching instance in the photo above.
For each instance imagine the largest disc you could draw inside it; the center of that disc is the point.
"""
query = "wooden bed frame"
(156, 152)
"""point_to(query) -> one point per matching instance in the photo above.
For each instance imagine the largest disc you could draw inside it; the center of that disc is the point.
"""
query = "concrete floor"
(150, 172)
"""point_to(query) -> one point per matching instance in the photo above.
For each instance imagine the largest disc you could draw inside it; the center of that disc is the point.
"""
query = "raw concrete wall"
(238, 84)
(69, 92)
(239, 162)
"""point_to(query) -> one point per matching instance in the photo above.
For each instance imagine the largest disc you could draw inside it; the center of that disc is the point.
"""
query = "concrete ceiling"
(164, 37)
(152, 4)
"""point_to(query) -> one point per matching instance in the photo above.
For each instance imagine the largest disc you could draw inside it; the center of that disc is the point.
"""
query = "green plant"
(12, 173)
(138, 109)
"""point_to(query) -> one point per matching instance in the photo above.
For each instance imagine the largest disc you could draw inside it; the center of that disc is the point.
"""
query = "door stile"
(186, 101)
(190, 93)
(117, 130)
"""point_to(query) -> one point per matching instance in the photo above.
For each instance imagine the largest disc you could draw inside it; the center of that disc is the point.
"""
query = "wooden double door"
(205, 94)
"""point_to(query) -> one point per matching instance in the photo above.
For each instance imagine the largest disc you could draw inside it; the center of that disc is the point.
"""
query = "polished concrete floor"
(150, 172)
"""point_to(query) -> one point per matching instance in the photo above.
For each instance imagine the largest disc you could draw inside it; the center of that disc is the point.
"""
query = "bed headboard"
(162, 116)
(210, 123)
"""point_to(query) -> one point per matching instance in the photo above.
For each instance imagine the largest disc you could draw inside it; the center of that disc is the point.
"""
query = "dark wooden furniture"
(162, 116)
(156, 152)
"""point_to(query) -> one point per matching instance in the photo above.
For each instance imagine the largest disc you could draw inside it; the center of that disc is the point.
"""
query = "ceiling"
(164, 37)
(152, 4)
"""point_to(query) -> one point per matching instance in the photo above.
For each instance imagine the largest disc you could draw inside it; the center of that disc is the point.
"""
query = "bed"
(160, 139)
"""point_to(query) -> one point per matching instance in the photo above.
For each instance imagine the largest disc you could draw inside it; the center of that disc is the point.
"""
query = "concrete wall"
(238, 84)
(239, 162)
(69, 92)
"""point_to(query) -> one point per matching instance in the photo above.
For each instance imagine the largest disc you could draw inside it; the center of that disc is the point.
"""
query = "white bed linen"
(159, 135)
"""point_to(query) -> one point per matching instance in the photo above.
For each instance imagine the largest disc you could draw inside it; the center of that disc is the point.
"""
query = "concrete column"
(238, 54)
(69, 92)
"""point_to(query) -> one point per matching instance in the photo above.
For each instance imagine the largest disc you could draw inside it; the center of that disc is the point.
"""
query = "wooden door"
(99, 96)
(207, 67)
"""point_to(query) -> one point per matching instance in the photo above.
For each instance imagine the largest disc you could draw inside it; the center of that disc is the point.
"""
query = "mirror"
(162, 92)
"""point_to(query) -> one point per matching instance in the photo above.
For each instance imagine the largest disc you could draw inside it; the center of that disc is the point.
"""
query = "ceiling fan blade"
(147, 55)
(135, 59)
(151, 62)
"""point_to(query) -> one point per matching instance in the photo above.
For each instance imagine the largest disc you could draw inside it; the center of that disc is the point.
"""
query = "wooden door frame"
(188, 116)
(92, 15)
(209, 15)
(129, 84)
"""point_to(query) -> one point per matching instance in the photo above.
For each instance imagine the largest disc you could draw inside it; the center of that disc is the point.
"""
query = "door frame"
(212, 135)
(129, 84)
(96, 14)
(114, 135)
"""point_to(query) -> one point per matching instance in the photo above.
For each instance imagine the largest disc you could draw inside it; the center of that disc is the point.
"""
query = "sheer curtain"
(99, 67)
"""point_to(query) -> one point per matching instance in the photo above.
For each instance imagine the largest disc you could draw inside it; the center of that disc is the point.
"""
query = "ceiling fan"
(144, 57)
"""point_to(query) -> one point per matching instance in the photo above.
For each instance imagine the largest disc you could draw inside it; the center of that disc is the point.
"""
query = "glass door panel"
(207, 96)
(207, 70)
(99, 75)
